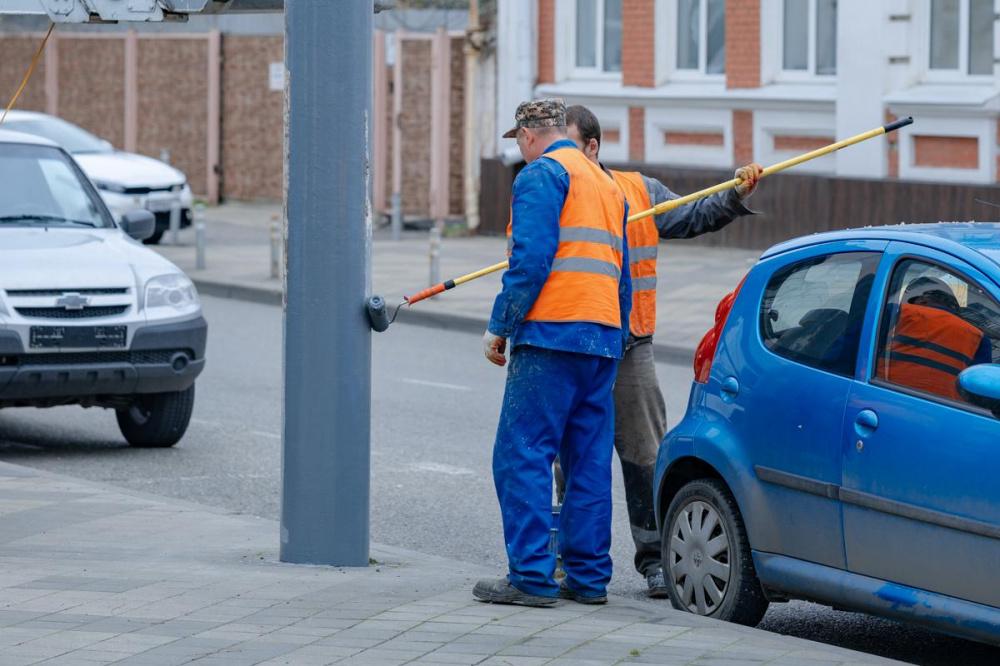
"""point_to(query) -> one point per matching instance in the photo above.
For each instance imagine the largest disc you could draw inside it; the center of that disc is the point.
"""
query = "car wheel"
(706, 555)
(155, 238)
(157, 419)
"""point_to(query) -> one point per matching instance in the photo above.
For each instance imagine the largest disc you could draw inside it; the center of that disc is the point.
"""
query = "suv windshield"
(42, 187)
(67, 135)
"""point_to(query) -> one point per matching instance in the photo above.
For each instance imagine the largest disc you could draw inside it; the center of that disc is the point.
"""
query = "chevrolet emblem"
(72, 301)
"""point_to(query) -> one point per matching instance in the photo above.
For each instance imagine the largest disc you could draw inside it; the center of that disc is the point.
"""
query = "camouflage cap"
(538, 113)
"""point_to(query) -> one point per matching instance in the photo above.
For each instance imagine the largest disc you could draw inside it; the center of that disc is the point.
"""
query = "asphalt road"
(435, 406)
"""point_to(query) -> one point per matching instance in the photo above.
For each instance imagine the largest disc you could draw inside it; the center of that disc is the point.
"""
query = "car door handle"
(866, 422)
(730, 387)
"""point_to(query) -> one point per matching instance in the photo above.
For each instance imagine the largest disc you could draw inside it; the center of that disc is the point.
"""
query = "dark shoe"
(657, 584)
(566, 593)
(500, 591)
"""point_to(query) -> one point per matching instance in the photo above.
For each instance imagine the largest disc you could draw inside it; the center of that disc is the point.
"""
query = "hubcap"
(699, 557)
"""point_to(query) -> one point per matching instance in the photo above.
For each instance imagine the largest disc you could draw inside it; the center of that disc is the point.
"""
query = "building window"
(701, 36)
(961, 36)
(599, 35)
(809, 37)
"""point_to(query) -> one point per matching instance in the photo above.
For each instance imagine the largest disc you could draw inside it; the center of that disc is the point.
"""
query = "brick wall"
(15, 56)
(636, 133)
(415, 121)
(638, 30)
(456, 149)
(743, 44)
(742, 137)
(954, 152)
(173, 113)
(252, 119)
(89, 96)
(892, 147)
(546, 41)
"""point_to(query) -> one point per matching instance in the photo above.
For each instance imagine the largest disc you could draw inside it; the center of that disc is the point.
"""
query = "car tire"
(154, 239)
(703, 517)
(157, 419)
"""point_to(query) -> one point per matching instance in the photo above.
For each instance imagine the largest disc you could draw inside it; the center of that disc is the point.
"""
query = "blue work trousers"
(560, 403)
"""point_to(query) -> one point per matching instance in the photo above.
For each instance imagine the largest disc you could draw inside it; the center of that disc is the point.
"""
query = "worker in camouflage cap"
(563, 312)
(538, 113)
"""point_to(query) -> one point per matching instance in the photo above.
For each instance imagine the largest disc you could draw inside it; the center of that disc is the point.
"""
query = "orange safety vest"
(583, 283)
(643, 241)
(929, 348)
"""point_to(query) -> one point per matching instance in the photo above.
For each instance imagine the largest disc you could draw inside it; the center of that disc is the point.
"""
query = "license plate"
(159, 205)
(83, 337)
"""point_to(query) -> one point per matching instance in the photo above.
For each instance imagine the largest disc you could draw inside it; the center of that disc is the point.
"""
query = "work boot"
(657, 584)
(566, 593)
(500, 591)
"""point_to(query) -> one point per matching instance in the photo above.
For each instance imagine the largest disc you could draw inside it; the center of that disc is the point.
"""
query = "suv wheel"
(706, 555)
(157, 419)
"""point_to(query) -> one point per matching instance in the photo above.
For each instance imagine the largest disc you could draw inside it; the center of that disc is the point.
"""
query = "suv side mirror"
(980, 385)
(139, 224)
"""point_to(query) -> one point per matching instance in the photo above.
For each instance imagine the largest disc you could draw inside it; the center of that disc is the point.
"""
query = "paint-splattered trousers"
(556, 403)
(640, 424)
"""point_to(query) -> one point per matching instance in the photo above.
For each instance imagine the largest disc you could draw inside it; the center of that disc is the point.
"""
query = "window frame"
(809, 74)
(672, 28)
(878, 256)
(875, 349)
(597, 71)
(961, 73)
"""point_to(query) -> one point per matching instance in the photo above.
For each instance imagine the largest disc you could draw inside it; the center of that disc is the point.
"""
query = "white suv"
(88, 315)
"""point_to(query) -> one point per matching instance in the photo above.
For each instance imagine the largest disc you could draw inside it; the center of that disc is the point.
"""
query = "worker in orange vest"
(640, 413)
(931, 344)
(563, 310)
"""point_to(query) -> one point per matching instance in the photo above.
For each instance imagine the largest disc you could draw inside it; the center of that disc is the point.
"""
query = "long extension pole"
(677, 203)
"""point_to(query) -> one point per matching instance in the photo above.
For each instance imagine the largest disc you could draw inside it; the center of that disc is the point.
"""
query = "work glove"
(494, 347)
(749, 175)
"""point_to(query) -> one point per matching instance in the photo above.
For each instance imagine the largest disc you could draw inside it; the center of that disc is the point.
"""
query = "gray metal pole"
(199, 236)
(327, 415)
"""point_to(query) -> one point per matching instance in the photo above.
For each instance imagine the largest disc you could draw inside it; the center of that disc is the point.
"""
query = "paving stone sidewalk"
(692, 278)
(95, 575)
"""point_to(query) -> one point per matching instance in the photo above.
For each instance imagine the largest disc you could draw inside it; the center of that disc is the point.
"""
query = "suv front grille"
(103, 291)
(63, 313)
(147, 357)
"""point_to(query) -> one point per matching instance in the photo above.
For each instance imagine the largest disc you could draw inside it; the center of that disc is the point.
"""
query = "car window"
(42, 188)
(813, 311)
(935, 324)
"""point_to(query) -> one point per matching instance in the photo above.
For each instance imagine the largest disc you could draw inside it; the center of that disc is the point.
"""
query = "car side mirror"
(980, 385)
(139, 224)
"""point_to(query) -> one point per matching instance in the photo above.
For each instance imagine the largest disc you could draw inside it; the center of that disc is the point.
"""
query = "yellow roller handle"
(677, 203)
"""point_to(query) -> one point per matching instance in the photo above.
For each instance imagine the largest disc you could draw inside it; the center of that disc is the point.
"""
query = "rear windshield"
(43, 187)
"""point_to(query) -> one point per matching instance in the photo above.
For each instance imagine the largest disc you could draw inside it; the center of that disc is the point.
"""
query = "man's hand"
(749, 175)
(494, 347)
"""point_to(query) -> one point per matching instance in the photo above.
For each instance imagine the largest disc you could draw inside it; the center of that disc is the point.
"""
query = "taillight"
(705, 353)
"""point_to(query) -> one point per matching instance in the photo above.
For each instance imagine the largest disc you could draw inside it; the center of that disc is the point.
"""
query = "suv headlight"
(109, 187)
(173, 293)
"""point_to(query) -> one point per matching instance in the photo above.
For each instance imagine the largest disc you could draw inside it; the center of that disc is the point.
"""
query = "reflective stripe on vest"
(928, 350)
(643, 241)
(583, 283)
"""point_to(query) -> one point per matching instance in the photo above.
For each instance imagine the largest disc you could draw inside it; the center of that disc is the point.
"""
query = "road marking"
(441, 468)
(424, 382)
(261, 433)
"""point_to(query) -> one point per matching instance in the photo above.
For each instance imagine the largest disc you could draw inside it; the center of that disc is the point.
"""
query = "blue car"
(842, 437)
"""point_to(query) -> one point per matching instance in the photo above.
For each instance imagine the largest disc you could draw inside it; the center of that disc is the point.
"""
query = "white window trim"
(566, 16)
(808, 75)
(959, 75)
(767, 124)
(982, 129)
(660, 120)
(666, 46)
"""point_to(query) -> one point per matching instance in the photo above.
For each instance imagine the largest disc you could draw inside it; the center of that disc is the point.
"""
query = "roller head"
(377, 315)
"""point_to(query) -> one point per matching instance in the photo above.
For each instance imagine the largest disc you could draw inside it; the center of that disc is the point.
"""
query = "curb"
(664, 353)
